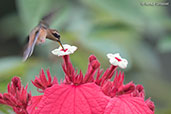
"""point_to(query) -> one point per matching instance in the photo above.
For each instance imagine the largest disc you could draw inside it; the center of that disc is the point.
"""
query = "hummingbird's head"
(56, 34)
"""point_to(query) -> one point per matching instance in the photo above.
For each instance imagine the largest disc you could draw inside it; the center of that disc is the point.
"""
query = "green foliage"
(9, 67)
(165, 44)
(5, 109)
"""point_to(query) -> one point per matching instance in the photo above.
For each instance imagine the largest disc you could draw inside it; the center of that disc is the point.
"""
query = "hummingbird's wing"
(47, 19)
(33, 37)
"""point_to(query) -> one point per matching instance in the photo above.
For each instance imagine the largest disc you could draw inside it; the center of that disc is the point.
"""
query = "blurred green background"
(142, 34)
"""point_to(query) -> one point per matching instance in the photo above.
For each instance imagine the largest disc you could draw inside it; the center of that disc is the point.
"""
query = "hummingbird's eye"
(56, 35)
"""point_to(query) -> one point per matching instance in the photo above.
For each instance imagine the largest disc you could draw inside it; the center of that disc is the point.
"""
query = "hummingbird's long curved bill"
(60, 44)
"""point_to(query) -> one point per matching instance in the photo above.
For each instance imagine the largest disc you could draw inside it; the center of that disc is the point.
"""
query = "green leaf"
(128, 11)
(32, 10)
(9, 67)
(164, 44)
(5, 109)
(9, 63)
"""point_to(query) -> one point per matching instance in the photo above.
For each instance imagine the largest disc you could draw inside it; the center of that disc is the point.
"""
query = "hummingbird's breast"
(42, 35)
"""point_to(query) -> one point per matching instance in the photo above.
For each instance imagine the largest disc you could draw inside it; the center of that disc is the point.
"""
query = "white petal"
(73, 48)
(70, 50)
(117, 55)
(113, 62)
(55, 51)
(110, 55)
(112, 59)
(123, 64)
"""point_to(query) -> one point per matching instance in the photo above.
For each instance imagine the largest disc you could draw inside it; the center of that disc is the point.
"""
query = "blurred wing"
(47, 19)
(30, 47)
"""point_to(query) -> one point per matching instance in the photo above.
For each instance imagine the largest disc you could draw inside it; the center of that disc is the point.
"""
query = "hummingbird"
(39, 34)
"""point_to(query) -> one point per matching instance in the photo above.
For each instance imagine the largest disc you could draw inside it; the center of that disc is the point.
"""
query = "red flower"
(17, 96)
(126, 104)
(35, 100)
(125, 99)
(78, 94)
(42, 83)
(72, 99)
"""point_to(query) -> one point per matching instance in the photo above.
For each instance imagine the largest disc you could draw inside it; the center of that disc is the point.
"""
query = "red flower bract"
(35, 100)
(78, 94)
(126, 104)
(17, 96)
(42, 83)
(125, 99)
(71, 99)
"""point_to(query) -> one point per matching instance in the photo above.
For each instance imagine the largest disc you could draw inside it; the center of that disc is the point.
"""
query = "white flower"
(67, 50)
(116, 60)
